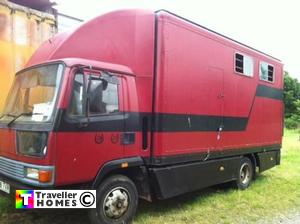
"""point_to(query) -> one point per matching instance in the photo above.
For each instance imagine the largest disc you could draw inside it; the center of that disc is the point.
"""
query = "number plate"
(4, 187)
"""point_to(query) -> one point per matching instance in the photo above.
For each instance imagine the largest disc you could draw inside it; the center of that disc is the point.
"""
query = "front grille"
(11, 168)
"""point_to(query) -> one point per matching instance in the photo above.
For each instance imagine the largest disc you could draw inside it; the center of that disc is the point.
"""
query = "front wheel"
(245, 173)
(117, 200)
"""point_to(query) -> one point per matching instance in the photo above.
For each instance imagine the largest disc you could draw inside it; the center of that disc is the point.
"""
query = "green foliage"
(293, 122)
(291, 94)
(291, 98)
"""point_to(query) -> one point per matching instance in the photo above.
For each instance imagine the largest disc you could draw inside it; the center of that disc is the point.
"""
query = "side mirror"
(105, 78)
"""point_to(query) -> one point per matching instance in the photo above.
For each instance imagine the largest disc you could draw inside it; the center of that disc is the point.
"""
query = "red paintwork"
(210, 57)
(194, 66)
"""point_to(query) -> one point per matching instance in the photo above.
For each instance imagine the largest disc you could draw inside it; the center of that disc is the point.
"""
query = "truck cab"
(61, 118)
(65, 125)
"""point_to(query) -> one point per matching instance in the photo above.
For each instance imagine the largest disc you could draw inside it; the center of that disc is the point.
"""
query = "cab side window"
(103, 98)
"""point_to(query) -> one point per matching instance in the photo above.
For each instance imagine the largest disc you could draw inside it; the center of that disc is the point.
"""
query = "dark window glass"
(239, 63)
(103, 97)
(270, 73)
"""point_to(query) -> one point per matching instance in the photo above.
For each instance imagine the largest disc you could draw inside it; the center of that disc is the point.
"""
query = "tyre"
(245, 174)
(117, 201)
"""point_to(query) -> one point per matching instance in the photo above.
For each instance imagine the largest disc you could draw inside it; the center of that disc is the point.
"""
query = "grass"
(274, 192)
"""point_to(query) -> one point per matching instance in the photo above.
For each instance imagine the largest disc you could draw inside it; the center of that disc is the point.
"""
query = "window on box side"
(266, 72)
(243, 64)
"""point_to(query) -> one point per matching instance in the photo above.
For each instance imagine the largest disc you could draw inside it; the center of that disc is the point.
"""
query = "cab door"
(91, 129)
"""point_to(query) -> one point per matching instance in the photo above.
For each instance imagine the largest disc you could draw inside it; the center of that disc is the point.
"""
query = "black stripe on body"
(164, 122)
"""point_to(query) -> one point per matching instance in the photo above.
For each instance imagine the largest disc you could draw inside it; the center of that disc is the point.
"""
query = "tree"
(291, 95)
(293, 122)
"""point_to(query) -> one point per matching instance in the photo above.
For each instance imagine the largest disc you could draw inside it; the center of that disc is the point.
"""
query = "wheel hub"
(116, 203)
(245, 173)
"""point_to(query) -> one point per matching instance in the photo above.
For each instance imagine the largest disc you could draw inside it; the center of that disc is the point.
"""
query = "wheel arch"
(134, 168)
(255, 162)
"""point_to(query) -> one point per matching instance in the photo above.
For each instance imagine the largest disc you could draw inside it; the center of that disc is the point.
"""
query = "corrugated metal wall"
(66, 23)
(22, 30)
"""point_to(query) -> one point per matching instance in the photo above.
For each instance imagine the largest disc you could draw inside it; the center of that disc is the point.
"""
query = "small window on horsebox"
(243, 64)
(266, 72)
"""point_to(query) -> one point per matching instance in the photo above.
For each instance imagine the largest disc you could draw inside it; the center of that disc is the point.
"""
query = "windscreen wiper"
(9, 115)
(18, 116)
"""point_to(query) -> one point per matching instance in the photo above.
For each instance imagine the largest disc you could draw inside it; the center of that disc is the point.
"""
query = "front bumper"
(16, 170)
(14, 185)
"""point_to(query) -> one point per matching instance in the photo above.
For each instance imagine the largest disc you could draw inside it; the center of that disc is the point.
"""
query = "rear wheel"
(245, 173)
(117, 200)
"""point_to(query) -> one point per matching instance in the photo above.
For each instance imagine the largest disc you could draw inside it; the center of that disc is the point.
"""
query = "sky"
(271, 26)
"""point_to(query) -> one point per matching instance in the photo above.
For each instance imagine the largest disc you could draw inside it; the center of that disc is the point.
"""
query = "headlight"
(32, 173)
(32, 143)
(43, 176)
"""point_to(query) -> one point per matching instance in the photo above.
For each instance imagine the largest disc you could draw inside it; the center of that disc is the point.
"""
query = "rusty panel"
(22, 30)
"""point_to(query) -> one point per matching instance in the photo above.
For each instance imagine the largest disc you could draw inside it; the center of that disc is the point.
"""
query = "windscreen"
(33, 95)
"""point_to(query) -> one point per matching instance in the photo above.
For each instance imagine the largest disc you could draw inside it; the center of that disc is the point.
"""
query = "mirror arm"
(87, 100)
(86, 87)
(87, 110)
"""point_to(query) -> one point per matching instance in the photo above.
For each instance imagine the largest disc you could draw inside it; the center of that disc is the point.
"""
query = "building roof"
(41, 5)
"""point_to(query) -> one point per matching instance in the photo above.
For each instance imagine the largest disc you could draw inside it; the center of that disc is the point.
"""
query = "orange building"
(22, 30)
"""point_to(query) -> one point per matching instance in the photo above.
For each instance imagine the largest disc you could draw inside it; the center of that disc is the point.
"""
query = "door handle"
(219, 132)
(145, 133)
(221, 95)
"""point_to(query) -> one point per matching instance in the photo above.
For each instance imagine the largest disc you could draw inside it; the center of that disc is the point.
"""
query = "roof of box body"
(124, 37)
(219, 34)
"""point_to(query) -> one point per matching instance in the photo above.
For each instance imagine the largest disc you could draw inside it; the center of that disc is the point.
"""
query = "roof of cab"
(98, 65)
(124, 37)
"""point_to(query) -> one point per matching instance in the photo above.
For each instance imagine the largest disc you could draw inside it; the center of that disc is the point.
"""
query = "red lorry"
(141, 104)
